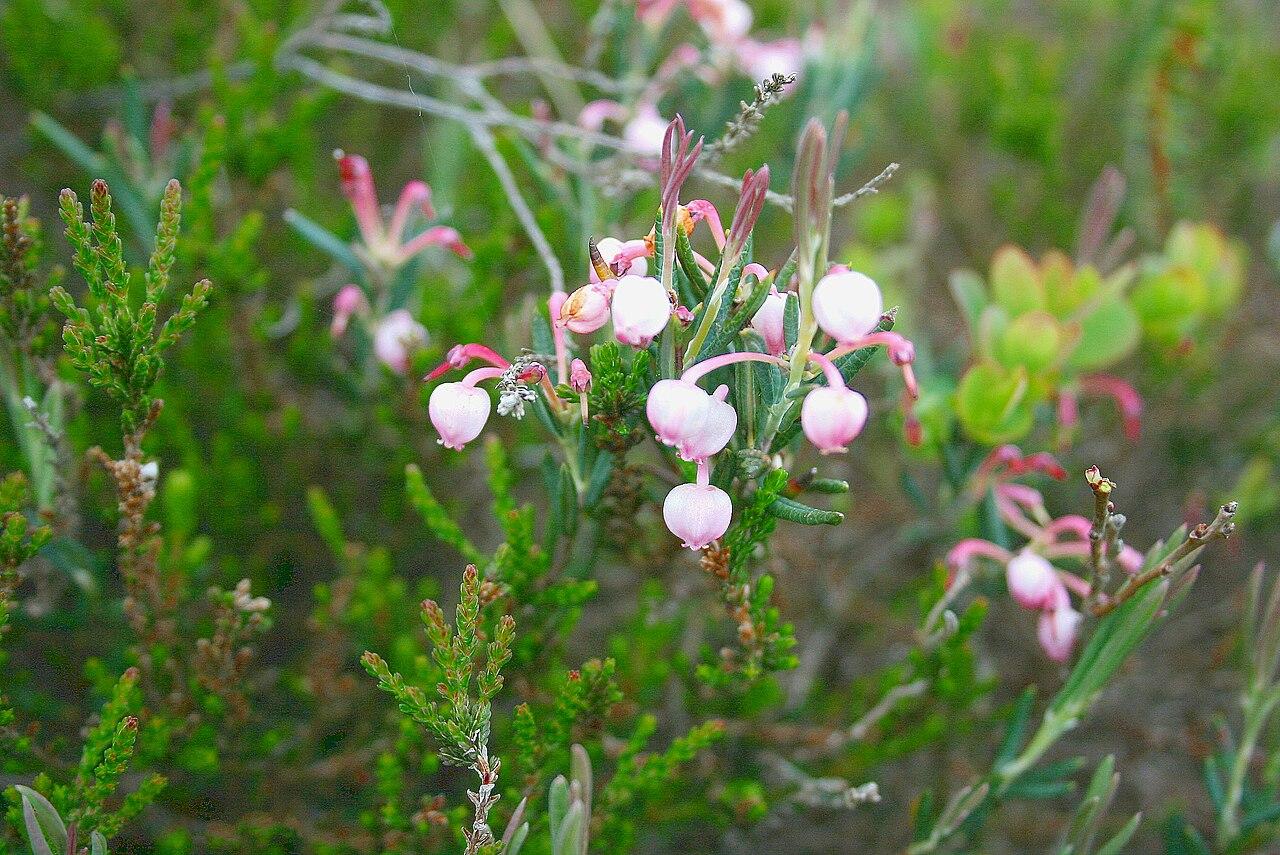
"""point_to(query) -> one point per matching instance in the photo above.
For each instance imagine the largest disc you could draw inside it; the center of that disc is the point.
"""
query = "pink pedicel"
(349, 300)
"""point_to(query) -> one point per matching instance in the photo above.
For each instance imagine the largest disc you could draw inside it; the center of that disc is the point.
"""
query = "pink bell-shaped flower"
(715, 430)
(1033, 583)
(847, 305)
(1058, 630)
(641, 310)
(677, 411)
(832, 416)
(697, 513)
(629, 256)
(586, 310)
(395, 339)
(458, 412)
(770, 322)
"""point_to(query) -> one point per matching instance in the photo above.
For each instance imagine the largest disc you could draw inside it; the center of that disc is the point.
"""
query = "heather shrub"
(661, 426)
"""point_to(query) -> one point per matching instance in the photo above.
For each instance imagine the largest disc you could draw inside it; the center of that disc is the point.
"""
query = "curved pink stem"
(1068, 409)
(704, 472)
(704, 263)
(963, 553)
(1078, 586)
(834, 378)
(460, 354)
(701, 209)
(1016, 519)
(901, 352)
(1070, 524)
(486, 373)
(445, 236)
(554, 304)
(1126, 397)
(698, 371)
(758, 270)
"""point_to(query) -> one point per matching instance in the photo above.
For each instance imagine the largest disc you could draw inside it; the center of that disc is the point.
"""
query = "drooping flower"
(641, 310)
(770, 322)
(395, 339)
(1058, 628)
(677, 411)
(580, 382)
(832, 417)
(714, 431)
(586, 310)
(698, 513)
(762, 60)
(1033, 582)
(349, 300)
(847, 305)
(384, 245)
(458, 412)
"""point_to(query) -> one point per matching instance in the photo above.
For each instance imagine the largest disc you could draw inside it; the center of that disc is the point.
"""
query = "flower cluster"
(679, 314)
(726, 26)
(384, 255)
(1035, 581)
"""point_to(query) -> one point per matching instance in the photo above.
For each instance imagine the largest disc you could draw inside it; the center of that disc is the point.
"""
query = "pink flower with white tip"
(396, 338)
(384, 245)
(459, 410)
(641, 309)
(699, 513)
(832, 416)
(1033, 583)
(847, 305)
(677, 411)
(1058, 628)
(770, 322)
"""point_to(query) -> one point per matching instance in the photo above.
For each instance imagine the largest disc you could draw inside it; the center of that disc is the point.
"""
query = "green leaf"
(1116, 844)
(1015, 281)
(993, 404)
(793, 511)
(45, 829)
(970, 294)
(325, 241)
(1107, 334)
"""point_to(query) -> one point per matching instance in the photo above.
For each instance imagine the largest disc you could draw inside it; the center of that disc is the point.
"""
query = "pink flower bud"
(1058, 631)
(629, 256)
(348, 301)
(697, 513)
(641, 310)
(714, 430)
(579, 377)
(770, 322)
(847, 305)
(1033, 582)
(586, 310)
(395, 339)
(357, 186)
(458, 412)
(832, 416)
(677, 411)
